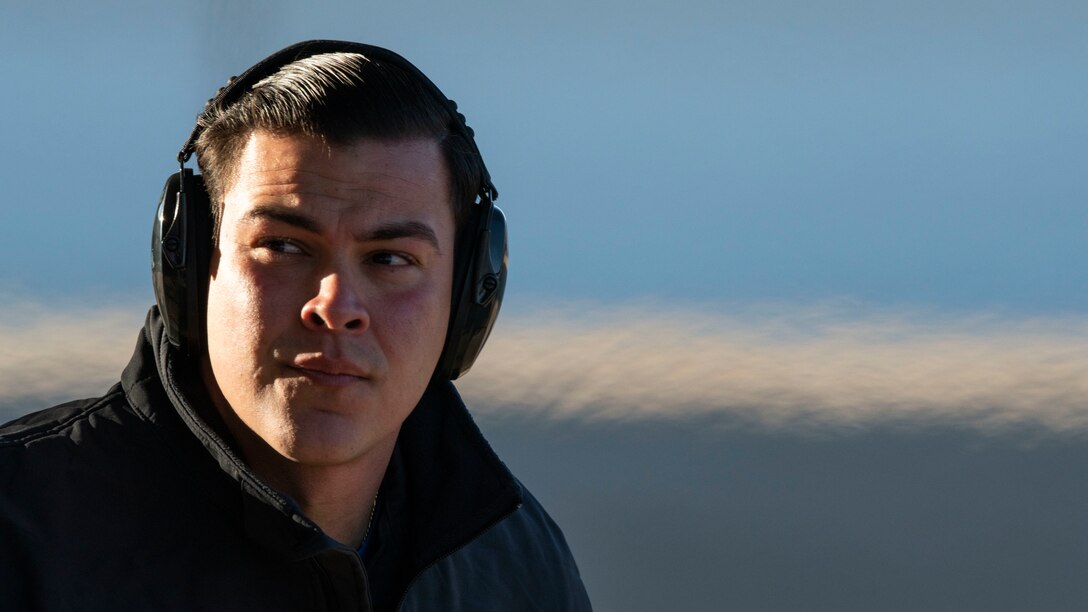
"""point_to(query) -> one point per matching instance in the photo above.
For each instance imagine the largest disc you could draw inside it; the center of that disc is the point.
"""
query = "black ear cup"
(479, 283)
(180, 250)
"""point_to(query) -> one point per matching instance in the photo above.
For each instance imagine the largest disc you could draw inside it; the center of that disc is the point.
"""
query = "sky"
(833, 245)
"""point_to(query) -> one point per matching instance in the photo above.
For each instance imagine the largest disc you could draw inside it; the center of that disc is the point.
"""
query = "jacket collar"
(443, 487)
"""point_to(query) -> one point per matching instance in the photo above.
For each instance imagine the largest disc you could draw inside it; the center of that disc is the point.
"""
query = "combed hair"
(338, 98)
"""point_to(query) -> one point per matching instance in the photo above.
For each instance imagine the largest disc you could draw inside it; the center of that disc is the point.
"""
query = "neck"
(339, 499)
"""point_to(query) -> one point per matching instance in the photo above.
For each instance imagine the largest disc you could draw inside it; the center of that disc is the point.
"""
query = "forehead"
(305, 172)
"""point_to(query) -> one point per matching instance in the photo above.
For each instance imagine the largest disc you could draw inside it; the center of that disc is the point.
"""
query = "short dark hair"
(339, 98)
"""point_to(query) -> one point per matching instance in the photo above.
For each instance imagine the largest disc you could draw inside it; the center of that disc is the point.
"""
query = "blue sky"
(811, 274)
(775, 151)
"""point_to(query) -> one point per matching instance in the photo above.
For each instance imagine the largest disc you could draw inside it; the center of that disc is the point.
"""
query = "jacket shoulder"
(522, 563)
(60, 420)
(37, 457)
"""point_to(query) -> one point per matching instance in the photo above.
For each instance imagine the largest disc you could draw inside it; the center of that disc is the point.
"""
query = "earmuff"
(181, 239)
(181, 246)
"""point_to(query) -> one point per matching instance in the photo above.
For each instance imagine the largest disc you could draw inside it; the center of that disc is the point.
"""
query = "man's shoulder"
(523, 559)
(63, 446)
(61, 421)
(530, 534)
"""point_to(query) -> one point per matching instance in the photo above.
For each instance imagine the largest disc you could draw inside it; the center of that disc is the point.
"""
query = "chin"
(319, 453)
(326, 439)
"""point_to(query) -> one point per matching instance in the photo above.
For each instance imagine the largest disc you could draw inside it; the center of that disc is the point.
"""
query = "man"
(286, 436)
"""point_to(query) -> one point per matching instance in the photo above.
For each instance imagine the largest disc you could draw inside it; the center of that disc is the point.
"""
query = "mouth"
(328, 372)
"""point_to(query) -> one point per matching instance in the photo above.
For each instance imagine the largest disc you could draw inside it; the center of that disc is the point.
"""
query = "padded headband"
(237, 87)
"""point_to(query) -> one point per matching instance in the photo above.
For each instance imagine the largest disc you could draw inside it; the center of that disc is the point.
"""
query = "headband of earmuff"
(181, 241)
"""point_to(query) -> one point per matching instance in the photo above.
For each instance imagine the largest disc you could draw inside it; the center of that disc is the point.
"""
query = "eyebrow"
(404, 229)
(387, 231)
(258, 213)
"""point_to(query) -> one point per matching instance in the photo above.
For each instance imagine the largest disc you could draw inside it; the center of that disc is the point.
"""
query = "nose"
(336, 307)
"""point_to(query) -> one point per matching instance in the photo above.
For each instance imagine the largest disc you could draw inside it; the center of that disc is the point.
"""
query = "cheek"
(239, 308)
(413, 325)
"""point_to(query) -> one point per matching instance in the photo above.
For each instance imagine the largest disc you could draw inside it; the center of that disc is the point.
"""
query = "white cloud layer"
(51, 355)
(790, 366)
(773, 367)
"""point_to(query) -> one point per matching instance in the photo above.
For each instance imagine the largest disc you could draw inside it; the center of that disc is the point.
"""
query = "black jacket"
(136, 501)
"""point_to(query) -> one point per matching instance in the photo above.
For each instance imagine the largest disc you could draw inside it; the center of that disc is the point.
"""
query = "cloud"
(826, 366)
(784, 366)
(49, 355)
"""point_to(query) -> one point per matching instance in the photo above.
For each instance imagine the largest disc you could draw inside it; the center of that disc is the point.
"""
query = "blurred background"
(797, 313)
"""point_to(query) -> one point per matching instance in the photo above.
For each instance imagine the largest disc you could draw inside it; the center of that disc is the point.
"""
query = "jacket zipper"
(328, 588)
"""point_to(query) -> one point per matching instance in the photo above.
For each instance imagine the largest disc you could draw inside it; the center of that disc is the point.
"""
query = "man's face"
(329, 294)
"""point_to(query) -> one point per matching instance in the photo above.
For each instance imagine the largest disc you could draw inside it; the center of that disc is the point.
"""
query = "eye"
(385, 258)
(281, 245)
